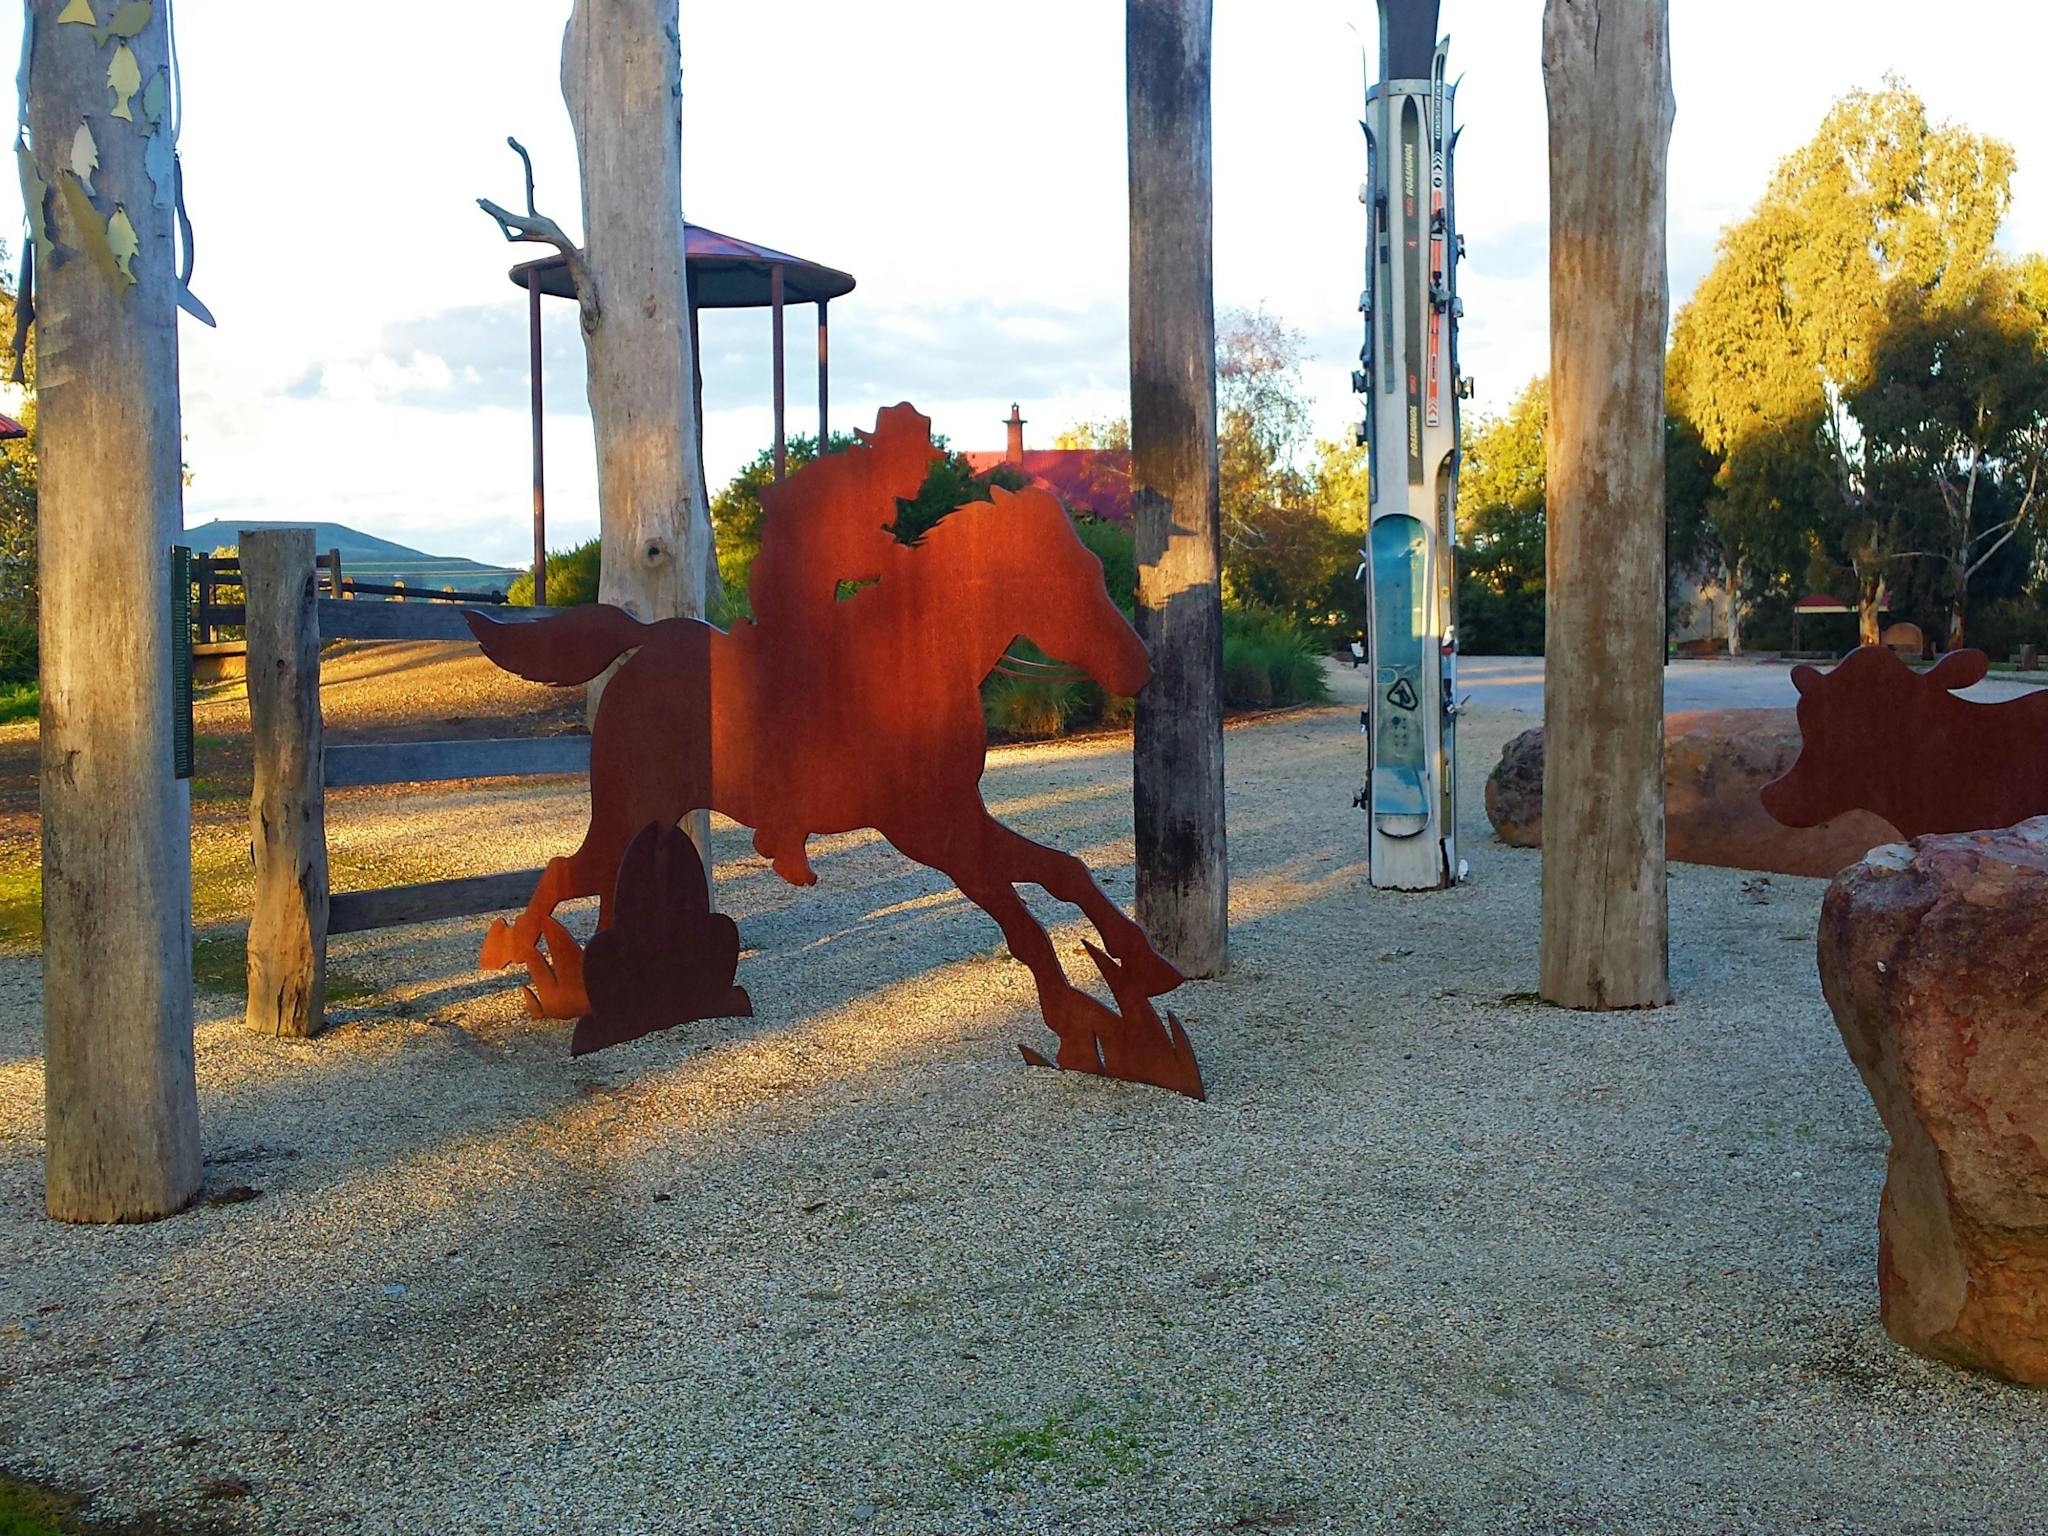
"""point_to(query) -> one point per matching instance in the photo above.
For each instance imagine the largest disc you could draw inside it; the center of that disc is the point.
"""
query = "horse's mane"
(966, 520)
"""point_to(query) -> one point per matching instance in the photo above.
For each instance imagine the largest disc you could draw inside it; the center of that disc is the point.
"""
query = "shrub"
(1270, 659)
(1033, 707)
(17, 649)
(1115, 546)
(572, 577)
(2001, 628)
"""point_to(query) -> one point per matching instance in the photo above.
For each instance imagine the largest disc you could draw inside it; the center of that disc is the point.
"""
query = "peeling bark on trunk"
(1183, 881)
(119, 1099)
(1607, 76)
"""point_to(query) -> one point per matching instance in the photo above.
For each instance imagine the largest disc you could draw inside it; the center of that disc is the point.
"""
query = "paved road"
(1516, 683)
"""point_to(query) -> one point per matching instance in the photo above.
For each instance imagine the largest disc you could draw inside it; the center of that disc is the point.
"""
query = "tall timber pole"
(120, 1106)
(1408, 376)
(1607, 75)
(1183, 883)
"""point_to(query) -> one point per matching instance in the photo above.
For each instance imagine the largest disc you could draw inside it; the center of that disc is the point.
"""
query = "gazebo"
(724, 273)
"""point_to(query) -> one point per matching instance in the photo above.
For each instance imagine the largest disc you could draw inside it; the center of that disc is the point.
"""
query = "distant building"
(1094, 482)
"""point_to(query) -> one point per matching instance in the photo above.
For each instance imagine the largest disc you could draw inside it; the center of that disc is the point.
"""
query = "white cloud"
(965, 161)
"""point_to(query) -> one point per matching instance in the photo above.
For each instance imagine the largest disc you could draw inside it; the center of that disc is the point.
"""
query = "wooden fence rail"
(294, 910)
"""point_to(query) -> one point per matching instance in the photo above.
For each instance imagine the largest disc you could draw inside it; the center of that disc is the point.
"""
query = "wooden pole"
(824, 416)
(120, 1104)
(775, 306)
(1183, 883)
(540, 479)
(1607, 75)
(288, 807)
(622, 80)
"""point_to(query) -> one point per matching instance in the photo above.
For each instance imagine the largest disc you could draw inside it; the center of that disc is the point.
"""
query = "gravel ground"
(1432, 1258)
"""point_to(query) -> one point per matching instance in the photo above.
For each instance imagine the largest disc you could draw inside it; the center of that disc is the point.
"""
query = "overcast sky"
(964, 159)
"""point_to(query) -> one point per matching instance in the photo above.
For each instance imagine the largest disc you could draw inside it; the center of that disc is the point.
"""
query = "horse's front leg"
(1129, 1042)
(1066, 878)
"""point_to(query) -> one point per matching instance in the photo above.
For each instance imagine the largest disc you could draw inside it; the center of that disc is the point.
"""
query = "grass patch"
(1086, 1444)
(220, 963)
(21, 908)
(26, 1510)
(19, 701)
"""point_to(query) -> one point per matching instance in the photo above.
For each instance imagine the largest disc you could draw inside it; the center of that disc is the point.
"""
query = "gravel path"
(1433, 1258)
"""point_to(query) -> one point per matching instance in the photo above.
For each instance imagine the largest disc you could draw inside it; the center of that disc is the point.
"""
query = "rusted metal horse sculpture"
(829, 716)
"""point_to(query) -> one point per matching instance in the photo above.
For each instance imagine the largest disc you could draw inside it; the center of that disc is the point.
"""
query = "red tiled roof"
(1820, 602)
(1095, 480)
(10, 428)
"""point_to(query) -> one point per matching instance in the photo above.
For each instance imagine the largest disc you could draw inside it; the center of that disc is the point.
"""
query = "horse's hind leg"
(555, 985)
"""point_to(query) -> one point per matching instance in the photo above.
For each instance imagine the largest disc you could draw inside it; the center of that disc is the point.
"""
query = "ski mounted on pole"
(1408, 376)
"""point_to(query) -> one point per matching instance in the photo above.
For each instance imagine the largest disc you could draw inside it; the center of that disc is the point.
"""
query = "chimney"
(1014, 452)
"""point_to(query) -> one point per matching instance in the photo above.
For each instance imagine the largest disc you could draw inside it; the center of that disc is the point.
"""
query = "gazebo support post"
(824, 419)
(540, 497)
(775, 304)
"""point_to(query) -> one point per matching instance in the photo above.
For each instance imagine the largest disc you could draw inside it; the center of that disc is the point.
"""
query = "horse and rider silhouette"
(826, 714)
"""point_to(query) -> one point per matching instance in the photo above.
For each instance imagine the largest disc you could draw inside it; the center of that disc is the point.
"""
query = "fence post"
(288, 807)
(398, 589)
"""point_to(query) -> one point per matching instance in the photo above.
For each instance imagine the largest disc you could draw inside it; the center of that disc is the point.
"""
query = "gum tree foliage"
(1954, 411)
(18, 587)
(1882, 216)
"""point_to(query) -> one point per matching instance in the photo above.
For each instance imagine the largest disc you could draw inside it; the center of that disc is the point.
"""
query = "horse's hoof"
(501, 947)
(1151, 973)
(796, 869)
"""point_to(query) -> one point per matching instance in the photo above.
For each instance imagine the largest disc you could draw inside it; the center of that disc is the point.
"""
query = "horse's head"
(1040, 581)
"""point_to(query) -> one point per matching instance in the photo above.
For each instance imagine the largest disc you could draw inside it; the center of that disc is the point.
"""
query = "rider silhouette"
(834, 529)
(838, 528)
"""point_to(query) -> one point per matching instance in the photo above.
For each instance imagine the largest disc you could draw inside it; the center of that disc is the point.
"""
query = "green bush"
(19, 701)
(2001, 628)
(17, 649)
(1115, 547)
(572, 578)
(1033, 707)
(1270, 660)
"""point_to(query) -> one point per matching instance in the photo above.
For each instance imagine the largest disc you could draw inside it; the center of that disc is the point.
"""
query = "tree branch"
(536, 227)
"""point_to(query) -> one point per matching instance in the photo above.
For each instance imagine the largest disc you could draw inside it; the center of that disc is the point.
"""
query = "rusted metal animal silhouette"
(828, 716)
(1877, 736)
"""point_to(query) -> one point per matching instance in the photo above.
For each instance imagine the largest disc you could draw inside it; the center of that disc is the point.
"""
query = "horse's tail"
(564, 648)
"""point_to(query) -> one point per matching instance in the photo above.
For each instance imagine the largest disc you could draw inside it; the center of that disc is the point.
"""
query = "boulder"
(1715, 762)
(1934, 958)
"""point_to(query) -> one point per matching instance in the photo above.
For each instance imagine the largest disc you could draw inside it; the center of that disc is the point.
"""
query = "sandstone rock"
(1514, 792)
(1934, 959)
(1715, 763)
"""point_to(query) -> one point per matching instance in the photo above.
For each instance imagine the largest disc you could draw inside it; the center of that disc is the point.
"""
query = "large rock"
(1715, 763)
(1934, 959)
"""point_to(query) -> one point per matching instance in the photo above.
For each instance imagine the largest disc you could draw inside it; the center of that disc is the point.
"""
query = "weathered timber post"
(1183, 884)
(288, 807)
(120, 1106)
(1607, 76)
(622, 79)
(621, 76)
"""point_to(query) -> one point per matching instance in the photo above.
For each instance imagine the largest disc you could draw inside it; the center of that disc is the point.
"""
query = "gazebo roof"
(725, 273)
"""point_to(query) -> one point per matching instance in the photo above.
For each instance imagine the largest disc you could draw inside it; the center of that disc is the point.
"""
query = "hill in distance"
(369, 557)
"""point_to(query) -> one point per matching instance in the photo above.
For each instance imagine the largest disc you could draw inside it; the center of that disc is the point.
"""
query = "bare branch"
(536, 227)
